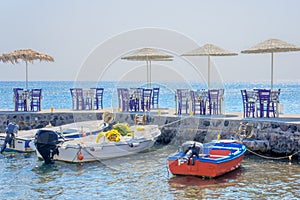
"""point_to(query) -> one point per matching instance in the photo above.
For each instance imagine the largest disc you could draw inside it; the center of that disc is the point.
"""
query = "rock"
(226, 123)
(216, 123)
(200, 136)
(206, 123)
(284, 127)
(274, 126)
(293, 128)
(258, 145)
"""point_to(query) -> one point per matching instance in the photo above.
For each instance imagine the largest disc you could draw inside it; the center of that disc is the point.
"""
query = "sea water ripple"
(143, 176)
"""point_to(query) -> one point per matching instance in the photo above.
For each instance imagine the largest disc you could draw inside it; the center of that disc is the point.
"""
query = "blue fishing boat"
(211, 159)
(208, 160)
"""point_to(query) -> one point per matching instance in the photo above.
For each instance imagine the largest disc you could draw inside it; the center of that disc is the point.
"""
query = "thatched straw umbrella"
(26, 55)
(272, 46)
(148, 55)
(209, 50)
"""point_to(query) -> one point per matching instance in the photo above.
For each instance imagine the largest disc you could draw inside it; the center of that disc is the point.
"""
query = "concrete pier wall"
(269, 137)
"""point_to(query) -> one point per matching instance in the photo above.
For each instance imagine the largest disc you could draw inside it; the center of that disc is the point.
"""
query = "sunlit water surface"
(143, 176)
(57, 94)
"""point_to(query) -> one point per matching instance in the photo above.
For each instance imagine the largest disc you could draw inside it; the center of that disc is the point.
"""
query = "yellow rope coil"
(112, 135)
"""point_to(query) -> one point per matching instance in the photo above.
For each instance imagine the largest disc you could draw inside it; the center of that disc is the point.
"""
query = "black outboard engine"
(11, 131)
(192, 149)
(46, 142)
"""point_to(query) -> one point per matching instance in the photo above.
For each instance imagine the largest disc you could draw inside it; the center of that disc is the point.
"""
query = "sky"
(88, 38)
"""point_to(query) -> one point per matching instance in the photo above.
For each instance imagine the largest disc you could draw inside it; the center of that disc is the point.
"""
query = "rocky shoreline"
(269, 138)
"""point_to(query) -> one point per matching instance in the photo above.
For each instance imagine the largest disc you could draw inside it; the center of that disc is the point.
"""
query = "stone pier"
(271, 137)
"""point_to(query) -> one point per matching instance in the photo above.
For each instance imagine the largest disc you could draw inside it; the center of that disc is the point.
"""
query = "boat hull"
(21, 145)
(86, 149)
(222, 161)
(100, 152)
(204, 168)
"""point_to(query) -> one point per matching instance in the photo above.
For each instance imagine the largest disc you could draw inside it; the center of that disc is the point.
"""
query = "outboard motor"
(11, 131)
(192, 149)
(46, 142)
(197, 147)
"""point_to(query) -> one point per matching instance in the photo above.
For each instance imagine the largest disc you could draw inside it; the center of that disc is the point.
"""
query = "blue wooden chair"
(20, 101)
(136, 98)
(155, 97)
(126, 102)
(182, 100)
(265, 106)
(77, 98)
(248, 105)
(35, 99)
(73, 96)
(197, 103)
(213, 102)
(146, 99)
(275, 101)
(98, 101)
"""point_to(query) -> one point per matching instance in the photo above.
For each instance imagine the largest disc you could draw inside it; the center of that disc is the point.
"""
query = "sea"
(144, 175)
(56, 94)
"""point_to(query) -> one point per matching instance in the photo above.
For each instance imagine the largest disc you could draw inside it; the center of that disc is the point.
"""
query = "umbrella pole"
(149, 73)
(272, 55)
(208, 79)
(26, 75)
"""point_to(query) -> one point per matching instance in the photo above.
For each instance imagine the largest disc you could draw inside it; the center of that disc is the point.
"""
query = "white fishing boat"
(18, 142)
(23, 141)
(105, 145)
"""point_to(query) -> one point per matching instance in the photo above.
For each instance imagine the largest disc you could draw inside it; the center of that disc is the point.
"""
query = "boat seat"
(215, 152)
(217, 156)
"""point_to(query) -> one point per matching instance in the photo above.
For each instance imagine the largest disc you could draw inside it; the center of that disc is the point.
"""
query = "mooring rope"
(77, 153)
(266, 157)
(85, 149)
(168, 171)
(274, 158)
(176, 121)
